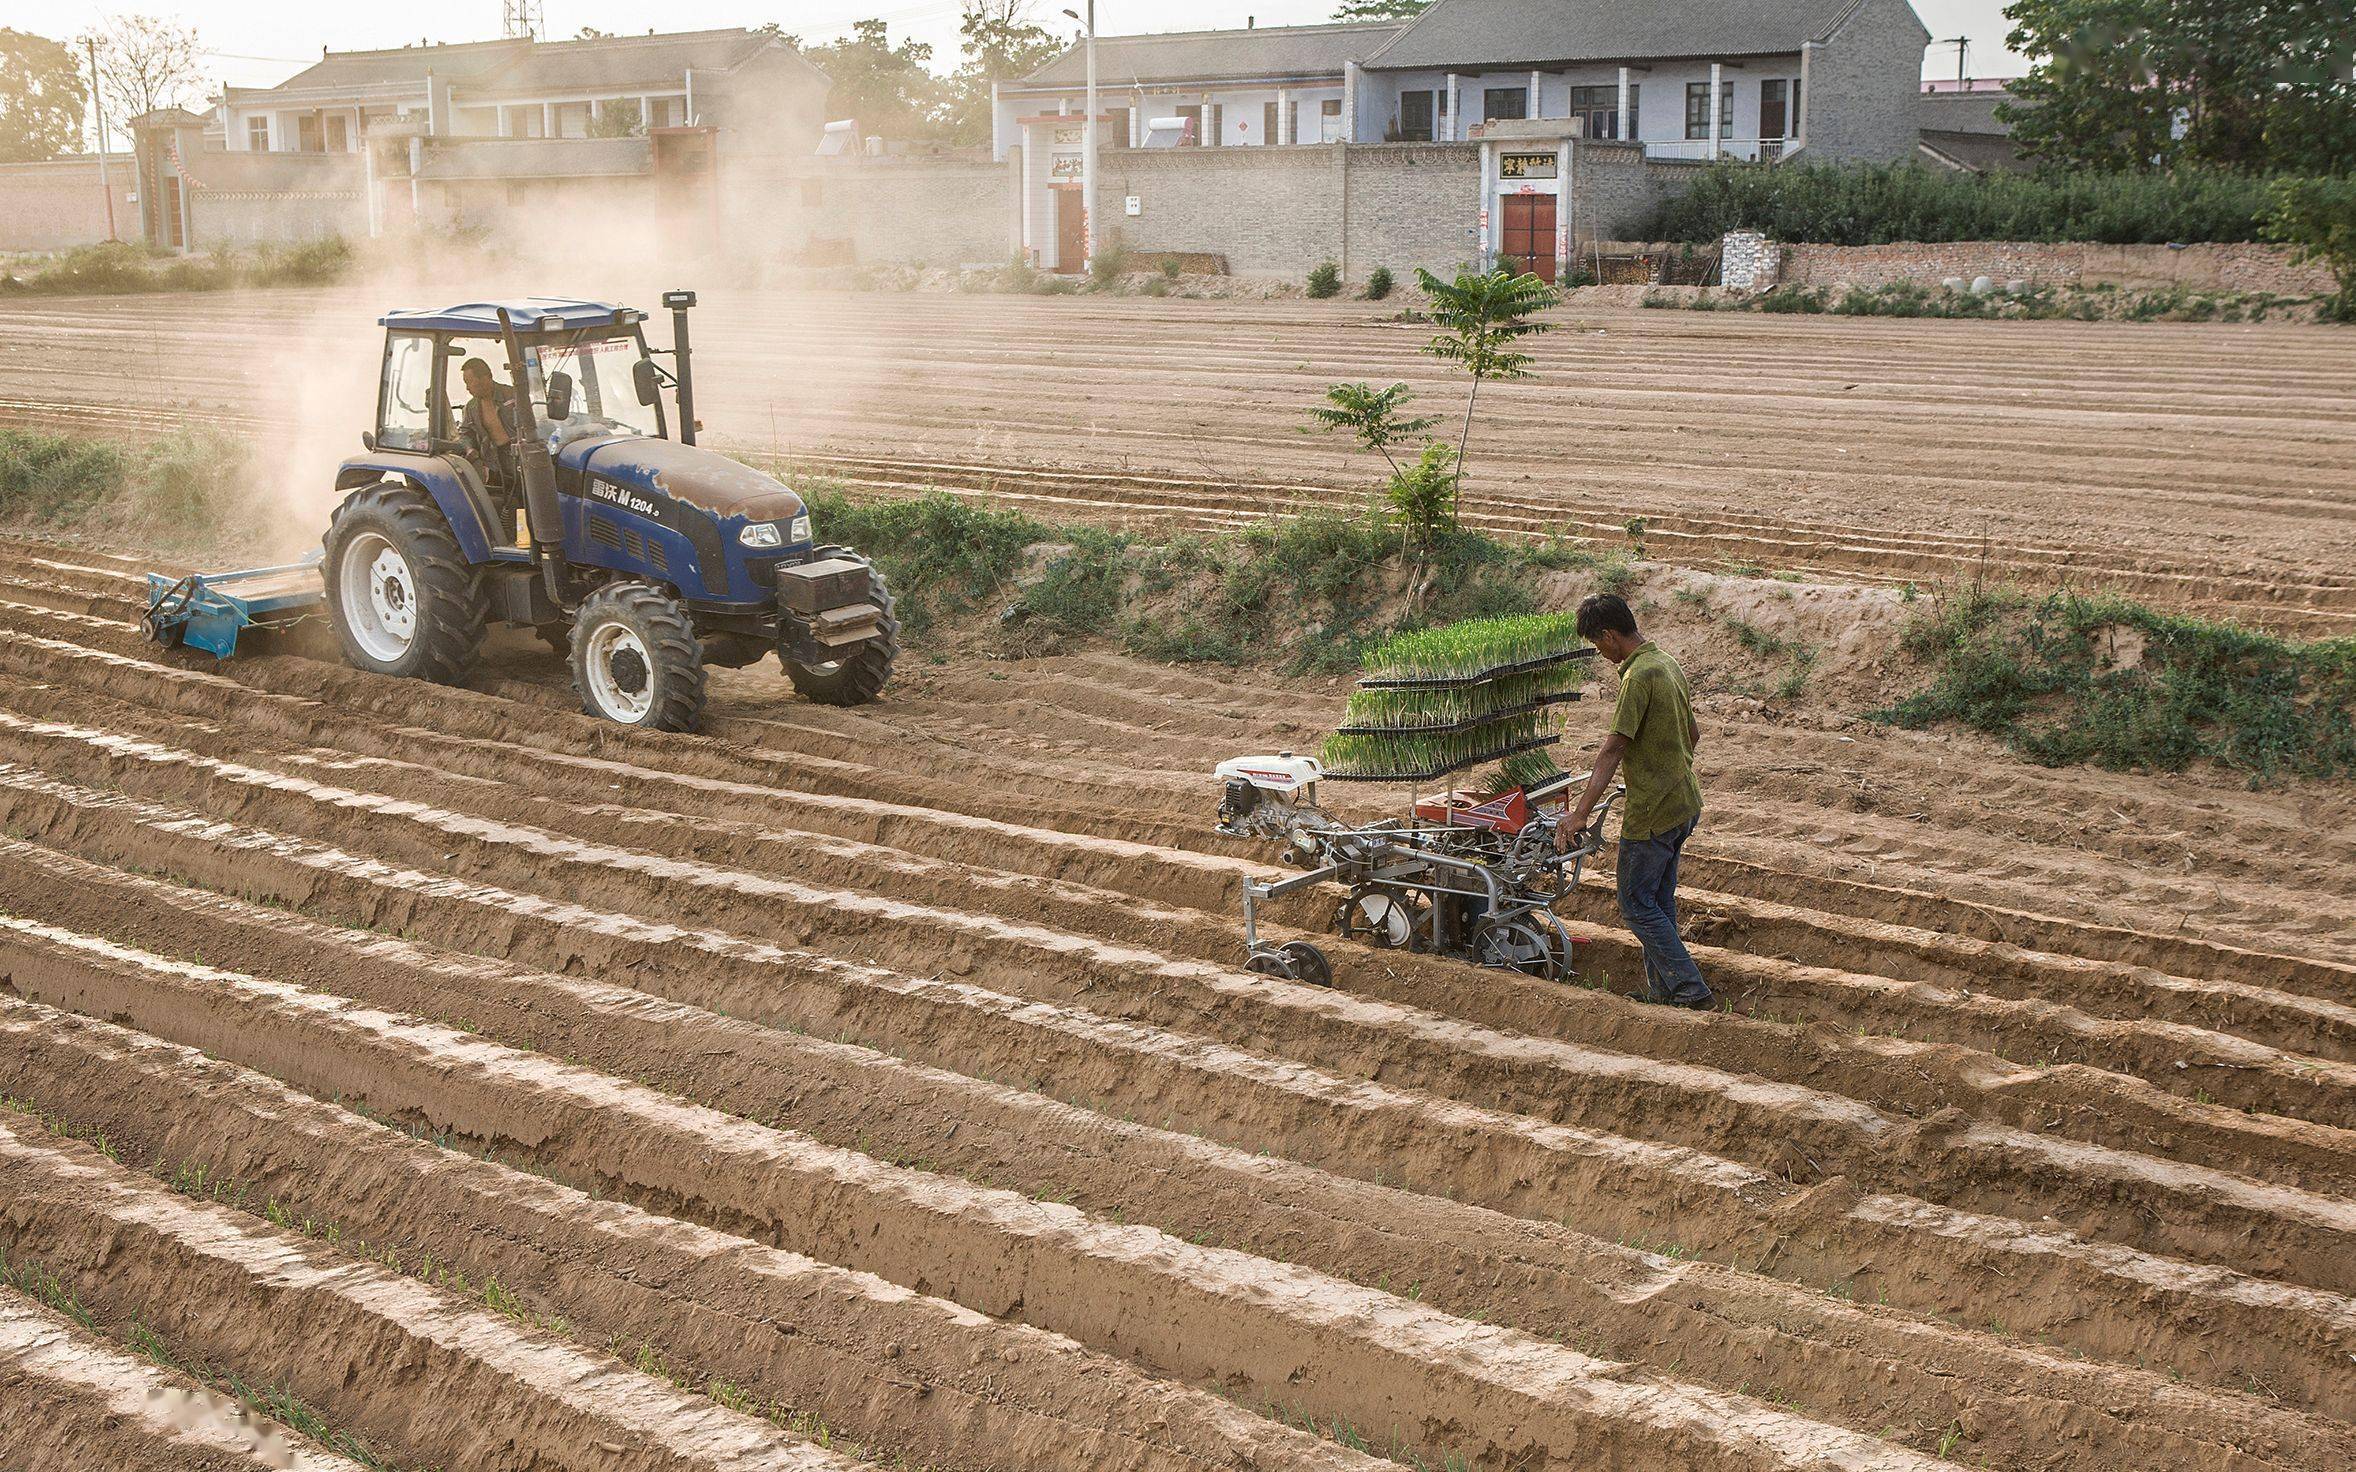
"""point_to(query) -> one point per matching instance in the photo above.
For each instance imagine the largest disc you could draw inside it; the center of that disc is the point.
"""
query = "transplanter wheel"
(1386, 918)
(1269, 963)
(1308, 962)
(1515, 945)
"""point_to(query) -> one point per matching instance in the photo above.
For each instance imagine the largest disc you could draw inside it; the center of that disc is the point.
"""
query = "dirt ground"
(880, 1085)
(2204, 465)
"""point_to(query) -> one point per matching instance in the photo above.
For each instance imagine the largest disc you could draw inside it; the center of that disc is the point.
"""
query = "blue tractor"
(566, 500)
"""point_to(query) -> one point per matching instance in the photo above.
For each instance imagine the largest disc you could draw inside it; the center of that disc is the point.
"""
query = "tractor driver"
(485, 430)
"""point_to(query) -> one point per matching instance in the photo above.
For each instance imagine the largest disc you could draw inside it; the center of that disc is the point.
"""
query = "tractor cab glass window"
(405, 414)
(587, 383)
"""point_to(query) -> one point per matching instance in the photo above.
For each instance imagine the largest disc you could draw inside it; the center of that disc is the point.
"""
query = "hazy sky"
(260, 42)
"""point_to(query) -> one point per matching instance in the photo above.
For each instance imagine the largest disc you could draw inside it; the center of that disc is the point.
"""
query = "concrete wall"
(243, 199)
(1864, 89)
(955, 210)
(2246, 267)
(56, 205)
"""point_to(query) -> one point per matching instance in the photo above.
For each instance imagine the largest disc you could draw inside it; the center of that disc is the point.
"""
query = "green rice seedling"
(1423, 754)
(1474, 648)
(1525, 769)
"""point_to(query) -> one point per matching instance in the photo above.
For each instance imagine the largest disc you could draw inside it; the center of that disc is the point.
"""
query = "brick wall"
(244, 199)
(1410, 205)
(1616, 190)
(54, 205)
(1266, 210)
(2245, 267)
(1868, 74)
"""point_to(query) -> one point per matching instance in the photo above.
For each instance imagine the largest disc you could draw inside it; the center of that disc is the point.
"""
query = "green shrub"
(1833, 204)
(312, 263)
(1421, 496)
(1169, 268)
(1325, 280)
(55, 478)
(2317, 219)
(2069, 678)
(1109, 264)
(1378, 284)
(941, 555)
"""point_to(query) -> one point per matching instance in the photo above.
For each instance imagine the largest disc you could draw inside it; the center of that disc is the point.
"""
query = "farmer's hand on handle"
(1607, 763)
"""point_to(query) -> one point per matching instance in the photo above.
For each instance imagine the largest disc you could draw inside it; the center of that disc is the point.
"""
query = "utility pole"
(98, 100)
(1961, 44)
(1088, 145)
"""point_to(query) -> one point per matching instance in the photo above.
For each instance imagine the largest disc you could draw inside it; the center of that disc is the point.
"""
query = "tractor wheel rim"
(379, 596)
(621, 676)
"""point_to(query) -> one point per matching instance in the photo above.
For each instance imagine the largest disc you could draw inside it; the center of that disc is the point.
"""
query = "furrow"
(1373, 1358)
(2041, 1282)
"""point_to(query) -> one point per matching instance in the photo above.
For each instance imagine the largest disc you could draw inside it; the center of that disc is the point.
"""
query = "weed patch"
(2068, 679)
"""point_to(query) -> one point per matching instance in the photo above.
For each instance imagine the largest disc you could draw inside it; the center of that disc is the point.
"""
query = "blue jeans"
(1648, 901)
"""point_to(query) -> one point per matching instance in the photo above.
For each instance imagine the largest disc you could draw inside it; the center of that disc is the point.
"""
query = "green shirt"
(1655, 713)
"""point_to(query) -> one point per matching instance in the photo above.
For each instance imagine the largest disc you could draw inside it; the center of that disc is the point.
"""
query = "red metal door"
(1071, 247)
(1527, 243)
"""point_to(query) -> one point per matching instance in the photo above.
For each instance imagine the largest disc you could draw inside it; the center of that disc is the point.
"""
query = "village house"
(1496, 92)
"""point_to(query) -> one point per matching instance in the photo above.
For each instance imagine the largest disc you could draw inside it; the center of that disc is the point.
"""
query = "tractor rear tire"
(636, 660)
(403, 599)
(857, 678)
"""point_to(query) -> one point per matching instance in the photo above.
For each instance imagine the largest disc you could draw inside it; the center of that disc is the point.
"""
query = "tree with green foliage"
(42, 98)
(1002, 43)
(2317, 219)
(1481, 316)
(618, 118)
(889, 89)
(2254, 85)
(1350, 10)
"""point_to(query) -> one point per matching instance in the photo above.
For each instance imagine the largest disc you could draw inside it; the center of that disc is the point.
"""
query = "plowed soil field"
(519, 1092)
(2209, 466)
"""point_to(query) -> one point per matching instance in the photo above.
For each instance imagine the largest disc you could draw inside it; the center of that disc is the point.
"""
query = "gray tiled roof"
(622, 61)
(1962, 112)
(1472, 34)
(496, 68)
(359, 71)
(1191, 56)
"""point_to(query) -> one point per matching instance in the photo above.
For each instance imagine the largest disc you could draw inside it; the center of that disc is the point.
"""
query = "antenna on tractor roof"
(521, 20)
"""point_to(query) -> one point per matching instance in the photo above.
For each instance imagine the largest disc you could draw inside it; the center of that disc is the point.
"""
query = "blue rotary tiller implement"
(570, 499)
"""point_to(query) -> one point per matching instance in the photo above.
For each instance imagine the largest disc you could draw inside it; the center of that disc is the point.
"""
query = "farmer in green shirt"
(1651, 747)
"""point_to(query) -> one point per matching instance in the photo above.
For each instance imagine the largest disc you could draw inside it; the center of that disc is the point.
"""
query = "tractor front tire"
(858, 677)
(403, 599)
(636, 660)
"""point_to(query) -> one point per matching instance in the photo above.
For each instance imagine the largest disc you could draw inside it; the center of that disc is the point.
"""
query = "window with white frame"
(257, 134)
(1329, 120)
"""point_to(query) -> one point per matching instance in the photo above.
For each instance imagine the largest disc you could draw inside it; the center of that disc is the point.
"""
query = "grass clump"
(176, 492)
(1325, 280)
(2069, 678)
(1378, 283)
(117, 267)
(1304, 593)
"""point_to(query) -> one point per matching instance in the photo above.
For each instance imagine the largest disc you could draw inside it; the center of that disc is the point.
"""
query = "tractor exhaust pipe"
(679, 302)
(537, 470)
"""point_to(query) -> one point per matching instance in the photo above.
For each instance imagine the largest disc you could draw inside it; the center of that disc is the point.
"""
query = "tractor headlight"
(761, 534)
(801, 528)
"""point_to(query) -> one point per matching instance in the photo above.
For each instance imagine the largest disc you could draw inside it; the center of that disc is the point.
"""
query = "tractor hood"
(686, 473)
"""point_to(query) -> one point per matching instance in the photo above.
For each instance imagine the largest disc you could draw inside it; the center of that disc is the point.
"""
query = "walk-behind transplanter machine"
(1473, 875)
(604, 528)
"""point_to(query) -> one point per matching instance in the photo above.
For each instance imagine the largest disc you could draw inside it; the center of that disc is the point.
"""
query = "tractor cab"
(525, 468)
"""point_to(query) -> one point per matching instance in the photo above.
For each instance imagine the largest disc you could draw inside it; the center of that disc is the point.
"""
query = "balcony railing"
(1749, 150)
